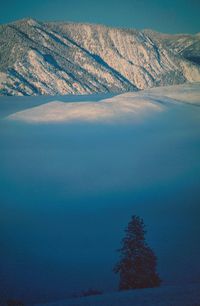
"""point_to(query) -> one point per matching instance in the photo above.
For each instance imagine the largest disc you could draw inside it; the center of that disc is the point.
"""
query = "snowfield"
(164, 296)
(120, 107)
(187, 93)
(74, 169)
(132, 106)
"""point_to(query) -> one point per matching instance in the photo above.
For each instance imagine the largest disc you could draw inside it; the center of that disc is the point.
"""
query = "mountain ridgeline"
(39, 58)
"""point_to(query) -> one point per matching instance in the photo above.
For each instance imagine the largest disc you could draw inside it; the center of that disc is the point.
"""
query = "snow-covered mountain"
(67, 58)
(186, 45)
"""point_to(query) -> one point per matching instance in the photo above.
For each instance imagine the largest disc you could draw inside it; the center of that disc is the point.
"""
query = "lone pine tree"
(137, 265)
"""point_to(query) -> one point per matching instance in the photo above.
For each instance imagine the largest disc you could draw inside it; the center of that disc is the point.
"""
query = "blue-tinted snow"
(68, 190)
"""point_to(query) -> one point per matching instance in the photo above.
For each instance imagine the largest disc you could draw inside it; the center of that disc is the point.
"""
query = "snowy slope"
(65, 58)
(119, 107)
(164, 296)
(186, 45)
(128, 106)
(80, 176)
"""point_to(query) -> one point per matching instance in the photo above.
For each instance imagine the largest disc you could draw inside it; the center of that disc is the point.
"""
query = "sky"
(168, 16)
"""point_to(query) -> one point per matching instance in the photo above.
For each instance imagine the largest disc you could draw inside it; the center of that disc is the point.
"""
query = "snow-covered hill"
(73, 171)
(132, 106)
(121, 107)
(187, 295)
(66, 58)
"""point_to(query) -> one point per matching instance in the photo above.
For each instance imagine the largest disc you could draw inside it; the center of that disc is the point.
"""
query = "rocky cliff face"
(66, 58)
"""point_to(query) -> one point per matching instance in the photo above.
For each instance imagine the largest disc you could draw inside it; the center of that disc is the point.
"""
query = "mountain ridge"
(76, 58)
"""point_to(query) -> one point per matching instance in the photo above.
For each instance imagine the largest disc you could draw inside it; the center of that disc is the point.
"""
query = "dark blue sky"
(173, 16)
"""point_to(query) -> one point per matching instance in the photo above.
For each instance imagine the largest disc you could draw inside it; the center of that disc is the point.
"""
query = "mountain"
(188, 46)
(39, 58)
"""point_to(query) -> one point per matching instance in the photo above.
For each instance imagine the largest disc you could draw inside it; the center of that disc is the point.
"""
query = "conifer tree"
(137, 265)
